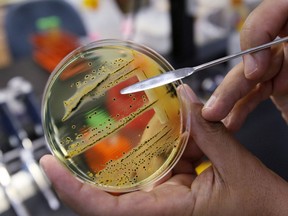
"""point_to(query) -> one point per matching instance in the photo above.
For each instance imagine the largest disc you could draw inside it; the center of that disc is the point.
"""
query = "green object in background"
(48, 23)
(98, 119)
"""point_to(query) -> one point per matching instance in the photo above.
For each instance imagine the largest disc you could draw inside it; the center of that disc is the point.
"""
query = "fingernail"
(209, 104)
(227, 120)
(250, 65)
(187, 93)
(42, 164)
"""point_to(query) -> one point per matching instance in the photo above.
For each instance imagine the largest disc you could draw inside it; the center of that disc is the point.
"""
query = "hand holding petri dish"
(119, 143)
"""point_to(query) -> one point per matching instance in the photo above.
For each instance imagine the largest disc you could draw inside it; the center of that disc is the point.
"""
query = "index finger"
(263, 25)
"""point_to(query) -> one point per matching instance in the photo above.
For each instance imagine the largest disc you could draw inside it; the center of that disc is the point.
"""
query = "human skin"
(264, 74)
(236, 183)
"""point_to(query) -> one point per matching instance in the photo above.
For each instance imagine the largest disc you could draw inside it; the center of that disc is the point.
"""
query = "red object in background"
(50, 47)
(108, 149)
(120, 106)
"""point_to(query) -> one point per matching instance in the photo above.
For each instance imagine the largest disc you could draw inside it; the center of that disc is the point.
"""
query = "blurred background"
(36, 35)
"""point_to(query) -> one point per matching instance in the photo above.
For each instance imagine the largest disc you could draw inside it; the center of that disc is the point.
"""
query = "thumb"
(214, 140)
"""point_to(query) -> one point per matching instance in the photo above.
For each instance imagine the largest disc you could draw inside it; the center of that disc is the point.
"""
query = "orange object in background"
(120, 105)
(106, 150)
(91, 4)
(50, 47)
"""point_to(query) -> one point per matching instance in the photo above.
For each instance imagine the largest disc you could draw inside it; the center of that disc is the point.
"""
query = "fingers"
(280, 95)
(82, 198)
(236, 86)
(87, 200)
(263, 25)
(266, 22)
(281, 81)
(180, 180)
(192, 152)
(243, 107)
(225, 153)
(232, 88)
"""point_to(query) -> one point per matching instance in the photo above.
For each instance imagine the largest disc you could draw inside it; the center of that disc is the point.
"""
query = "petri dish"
(118, 143)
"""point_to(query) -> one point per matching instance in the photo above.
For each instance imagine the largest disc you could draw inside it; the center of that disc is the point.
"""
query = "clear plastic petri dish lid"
(118, 143)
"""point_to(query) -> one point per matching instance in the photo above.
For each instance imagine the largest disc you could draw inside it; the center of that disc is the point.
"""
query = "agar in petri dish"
(119, 143)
